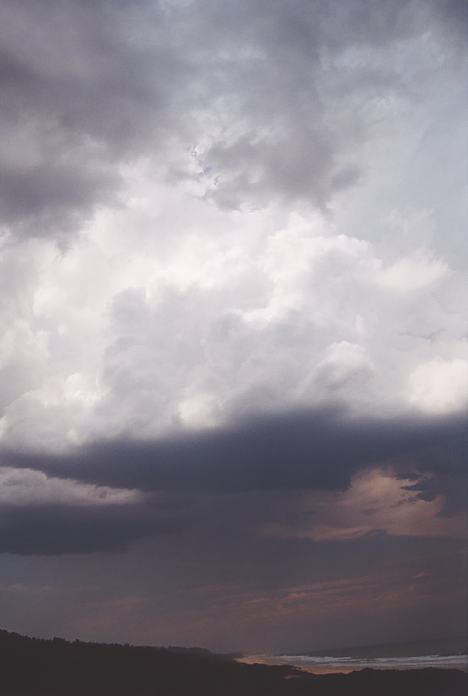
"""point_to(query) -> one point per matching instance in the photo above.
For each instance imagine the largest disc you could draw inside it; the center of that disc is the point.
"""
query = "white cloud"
(288, 243)
(413, 272)
(440, 386)
(23, 487)
(140, 327)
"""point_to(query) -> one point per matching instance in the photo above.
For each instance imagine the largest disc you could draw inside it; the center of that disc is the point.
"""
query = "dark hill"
(29, 667)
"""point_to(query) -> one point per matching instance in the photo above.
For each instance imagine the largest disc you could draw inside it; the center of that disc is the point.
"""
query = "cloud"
(322, 476)
(294, 451)
(267, 99)
(291, 84)
(26, 487)
(440, 386)
(376, 501)
(140, 335)
(249, 208)
(53, 528)
(84, 90)
(217, 222)
(412, 273)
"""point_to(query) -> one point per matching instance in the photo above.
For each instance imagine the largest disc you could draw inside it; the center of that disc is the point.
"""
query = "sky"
(234, 346)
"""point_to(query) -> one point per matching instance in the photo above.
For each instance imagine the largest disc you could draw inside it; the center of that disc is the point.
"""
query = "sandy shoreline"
(316, 669)
(339, 668)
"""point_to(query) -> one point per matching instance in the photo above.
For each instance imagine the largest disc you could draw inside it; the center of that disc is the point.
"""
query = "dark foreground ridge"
(29, 667)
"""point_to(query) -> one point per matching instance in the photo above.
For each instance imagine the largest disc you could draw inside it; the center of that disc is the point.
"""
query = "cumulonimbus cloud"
(319, 450)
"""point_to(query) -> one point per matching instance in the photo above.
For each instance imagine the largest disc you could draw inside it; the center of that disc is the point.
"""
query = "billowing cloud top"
(233, 267)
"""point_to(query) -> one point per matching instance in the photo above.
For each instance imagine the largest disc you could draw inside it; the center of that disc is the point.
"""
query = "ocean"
(443, 654)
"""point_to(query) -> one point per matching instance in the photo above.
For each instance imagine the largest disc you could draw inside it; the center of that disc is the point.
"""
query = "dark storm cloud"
(82, 94)
(88, 87)
(447, 465)
(54, 529)
(234, 480)
(319, 449)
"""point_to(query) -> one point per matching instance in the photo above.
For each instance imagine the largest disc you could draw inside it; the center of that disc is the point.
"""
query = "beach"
(347, 665)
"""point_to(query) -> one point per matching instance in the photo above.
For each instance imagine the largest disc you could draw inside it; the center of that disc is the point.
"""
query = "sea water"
(443, 654)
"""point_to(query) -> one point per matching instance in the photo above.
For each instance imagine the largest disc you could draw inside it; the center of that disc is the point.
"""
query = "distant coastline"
(33, 667)
(444, 653)
(345, 665)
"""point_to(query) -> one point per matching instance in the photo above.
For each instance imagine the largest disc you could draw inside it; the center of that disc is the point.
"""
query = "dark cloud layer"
(318, 450)
(53, 529)
(254, 462)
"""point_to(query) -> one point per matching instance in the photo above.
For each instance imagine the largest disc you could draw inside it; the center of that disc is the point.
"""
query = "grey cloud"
(83, 94)
(54, 529)
(260, 102)
(446, 462)
(454, 15)
(51, 196)
(316, 450)
(216, 493)
(186, 588)
(297, 90)
(261, 90)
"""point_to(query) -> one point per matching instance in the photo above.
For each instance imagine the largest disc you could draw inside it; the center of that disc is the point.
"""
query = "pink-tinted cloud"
(376, 501)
